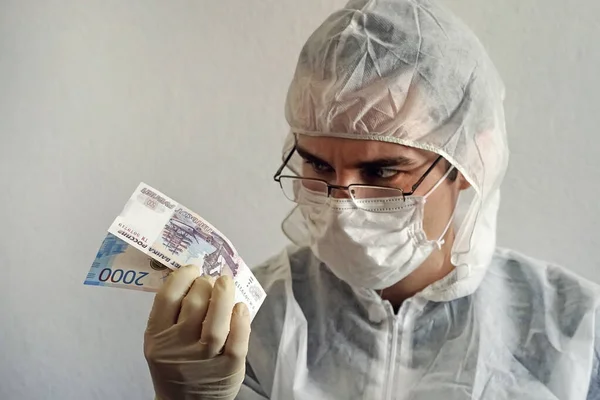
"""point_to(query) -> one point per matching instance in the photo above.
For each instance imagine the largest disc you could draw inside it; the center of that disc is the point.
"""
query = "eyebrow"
(399, 161)
(310, 157)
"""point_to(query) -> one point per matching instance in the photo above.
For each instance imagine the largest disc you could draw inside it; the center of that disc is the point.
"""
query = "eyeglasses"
(317, 191)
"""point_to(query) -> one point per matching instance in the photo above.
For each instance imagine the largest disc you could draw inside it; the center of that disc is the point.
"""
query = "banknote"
(119, 265)
(153, 235)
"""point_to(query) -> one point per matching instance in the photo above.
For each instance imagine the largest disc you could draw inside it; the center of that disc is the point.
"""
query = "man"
(396, 289)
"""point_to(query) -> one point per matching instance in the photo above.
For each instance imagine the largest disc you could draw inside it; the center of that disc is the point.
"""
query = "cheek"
(438, 210)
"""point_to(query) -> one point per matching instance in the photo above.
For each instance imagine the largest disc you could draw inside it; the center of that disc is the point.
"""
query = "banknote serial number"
(120, 276)
(243, 293)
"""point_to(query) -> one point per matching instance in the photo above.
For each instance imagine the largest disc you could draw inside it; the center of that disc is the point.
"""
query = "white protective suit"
(501, 325)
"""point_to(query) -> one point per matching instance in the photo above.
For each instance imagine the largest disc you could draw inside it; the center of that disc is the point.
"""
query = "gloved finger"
(167, 302)
(216, 324)
(195, 305)
(236, 346)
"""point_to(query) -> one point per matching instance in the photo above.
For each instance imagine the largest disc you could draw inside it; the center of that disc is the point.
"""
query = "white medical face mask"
(374, 246)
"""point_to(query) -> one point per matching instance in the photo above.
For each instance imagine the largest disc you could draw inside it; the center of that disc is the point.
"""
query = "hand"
(196, 340)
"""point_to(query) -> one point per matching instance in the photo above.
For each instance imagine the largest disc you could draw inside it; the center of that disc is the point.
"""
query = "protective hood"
(411, 73)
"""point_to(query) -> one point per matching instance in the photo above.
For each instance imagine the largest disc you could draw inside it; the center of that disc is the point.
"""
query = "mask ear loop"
(442, 179)
(440, 242)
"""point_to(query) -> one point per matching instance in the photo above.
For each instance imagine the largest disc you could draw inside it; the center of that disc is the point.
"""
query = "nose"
(340, 193)
(344, 180)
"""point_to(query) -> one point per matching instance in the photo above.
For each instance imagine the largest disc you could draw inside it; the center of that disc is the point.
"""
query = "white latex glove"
(196, 340)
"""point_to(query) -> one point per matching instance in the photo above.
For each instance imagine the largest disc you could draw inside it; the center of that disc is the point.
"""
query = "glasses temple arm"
(420, 181)
(287, 159)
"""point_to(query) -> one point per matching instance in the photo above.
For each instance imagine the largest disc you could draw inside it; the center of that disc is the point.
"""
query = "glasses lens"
(304, 191)
(372, 192)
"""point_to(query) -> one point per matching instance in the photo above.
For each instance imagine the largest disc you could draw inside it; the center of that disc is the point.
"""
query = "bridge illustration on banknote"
(181, 237)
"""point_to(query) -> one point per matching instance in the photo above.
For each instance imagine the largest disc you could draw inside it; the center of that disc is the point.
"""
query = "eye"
(381, 174)
(319, 167)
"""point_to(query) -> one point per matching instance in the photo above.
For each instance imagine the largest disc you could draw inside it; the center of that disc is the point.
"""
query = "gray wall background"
(187, 95)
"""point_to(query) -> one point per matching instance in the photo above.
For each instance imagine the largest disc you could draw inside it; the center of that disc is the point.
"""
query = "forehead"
(359, 149)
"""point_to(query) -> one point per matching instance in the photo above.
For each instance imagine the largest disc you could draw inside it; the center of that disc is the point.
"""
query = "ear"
(463, 183)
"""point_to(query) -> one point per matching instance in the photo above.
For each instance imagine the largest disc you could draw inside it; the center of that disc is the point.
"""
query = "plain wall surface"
(187, 96)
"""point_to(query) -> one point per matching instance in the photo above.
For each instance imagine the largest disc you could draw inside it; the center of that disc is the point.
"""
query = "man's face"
(347, 161)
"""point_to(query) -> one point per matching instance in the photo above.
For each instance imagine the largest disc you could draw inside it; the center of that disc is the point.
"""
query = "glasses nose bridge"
(343, 189)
